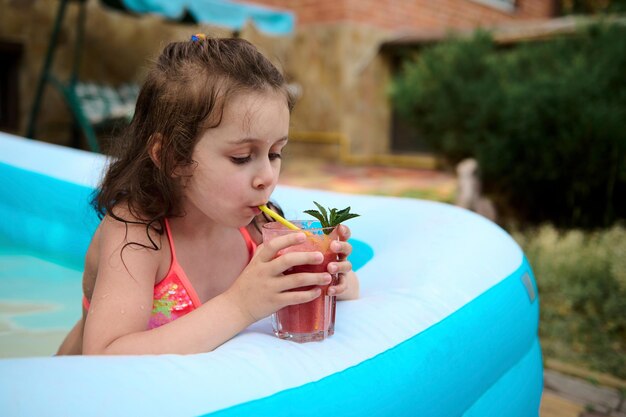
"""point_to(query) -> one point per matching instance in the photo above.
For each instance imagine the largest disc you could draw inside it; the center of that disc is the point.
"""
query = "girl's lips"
(255, 210)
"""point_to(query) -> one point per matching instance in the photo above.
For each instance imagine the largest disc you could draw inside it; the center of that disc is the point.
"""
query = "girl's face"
(238, 162)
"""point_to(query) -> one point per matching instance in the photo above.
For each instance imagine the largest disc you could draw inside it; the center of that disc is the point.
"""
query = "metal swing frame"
(66, 89)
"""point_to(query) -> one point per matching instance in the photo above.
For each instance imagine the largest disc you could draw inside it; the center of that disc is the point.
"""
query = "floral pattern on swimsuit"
(171, 301)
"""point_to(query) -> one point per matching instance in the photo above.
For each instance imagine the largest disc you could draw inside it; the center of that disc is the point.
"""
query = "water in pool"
(39, 303)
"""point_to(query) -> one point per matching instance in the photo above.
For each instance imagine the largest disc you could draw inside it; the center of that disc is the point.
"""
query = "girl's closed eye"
(240, 160)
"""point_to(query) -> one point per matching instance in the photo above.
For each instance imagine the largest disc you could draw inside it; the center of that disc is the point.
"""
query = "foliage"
(582, 286)
(331, 217)
(544, 120)
(591, 6)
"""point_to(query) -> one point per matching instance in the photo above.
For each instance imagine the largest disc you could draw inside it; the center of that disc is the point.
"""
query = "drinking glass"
(314, 320)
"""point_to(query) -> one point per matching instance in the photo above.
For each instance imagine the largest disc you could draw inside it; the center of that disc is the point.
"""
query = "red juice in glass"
(315, 320)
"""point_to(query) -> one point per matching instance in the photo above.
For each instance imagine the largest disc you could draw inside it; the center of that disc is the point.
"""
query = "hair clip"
(197, 37)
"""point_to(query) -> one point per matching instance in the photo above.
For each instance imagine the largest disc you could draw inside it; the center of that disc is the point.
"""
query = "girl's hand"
(347, 286)
(262, 289)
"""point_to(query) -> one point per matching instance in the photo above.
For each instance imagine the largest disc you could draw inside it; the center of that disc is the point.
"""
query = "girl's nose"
(265, 176)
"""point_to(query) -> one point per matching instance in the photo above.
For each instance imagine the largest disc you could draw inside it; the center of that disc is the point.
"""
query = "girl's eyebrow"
(249, 140)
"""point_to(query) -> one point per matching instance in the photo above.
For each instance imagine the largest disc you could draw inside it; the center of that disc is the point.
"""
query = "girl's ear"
(154, 148)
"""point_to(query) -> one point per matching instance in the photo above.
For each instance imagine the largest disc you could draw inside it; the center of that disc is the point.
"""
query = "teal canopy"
(225, 13)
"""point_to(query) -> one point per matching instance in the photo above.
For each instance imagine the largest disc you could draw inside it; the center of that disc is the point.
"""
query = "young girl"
(172, 267)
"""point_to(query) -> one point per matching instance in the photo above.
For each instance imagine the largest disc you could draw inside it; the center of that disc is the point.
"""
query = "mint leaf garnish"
(333, 219)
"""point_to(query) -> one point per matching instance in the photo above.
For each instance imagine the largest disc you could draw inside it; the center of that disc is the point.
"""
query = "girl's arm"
(73, 342)
(122, 300)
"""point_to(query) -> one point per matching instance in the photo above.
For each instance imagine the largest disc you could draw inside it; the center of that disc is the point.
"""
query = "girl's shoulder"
(124, 229)
(127, 245)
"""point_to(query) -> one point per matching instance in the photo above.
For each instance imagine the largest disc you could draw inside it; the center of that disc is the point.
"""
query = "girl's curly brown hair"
(183, 95)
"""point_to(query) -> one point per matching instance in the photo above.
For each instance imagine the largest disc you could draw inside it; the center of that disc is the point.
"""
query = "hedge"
(545, 120)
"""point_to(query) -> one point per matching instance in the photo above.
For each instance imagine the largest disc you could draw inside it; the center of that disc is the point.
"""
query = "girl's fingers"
(304, 279)
(291, 259)
(339, 288)
(341, 248)
(341, 232)
(299, 297)
(269, 250)
(340, 267)
(344, 232)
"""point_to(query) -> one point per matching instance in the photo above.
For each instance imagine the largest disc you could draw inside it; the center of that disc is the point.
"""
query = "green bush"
(581, 278)
(544, 120)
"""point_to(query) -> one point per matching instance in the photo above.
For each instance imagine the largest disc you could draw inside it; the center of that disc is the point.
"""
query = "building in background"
(344, 53)
(341, 56)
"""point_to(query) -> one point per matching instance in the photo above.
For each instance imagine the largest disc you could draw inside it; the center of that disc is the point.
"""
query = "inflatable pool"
(446, 324)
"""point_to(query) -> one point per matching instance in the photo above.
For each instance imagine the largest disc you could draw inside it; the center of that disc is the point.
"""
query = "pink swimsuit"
(174, 296)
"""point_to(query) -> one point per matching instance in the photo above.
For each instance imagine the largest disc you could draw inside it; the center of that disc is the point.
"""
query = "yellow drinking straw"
(278, 217)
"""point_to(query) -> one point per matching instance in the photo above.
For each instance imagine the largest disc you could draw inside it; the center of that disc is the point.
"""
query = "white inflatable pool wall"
(446, 326)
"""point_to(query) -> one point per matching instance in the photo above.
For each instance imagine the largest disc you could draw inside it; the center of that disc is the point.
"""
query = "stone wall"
(117, 49)
(343, 109)
(337, 67)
